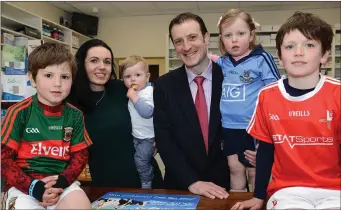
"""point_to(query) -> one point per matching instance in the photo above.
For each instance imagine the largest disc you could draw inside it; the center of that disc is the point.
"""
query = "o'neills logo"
(54, 151)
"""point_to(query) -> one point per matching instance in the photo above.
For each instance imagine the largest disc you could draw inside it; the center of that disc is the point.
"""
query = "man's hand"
(51, 195)
(132, 95)
(251, 156)
(208, 189)
(251, 204)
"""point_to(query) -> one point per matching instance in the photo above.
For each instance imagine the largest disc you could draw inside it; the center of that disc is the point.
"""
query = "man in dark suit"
(187, 116)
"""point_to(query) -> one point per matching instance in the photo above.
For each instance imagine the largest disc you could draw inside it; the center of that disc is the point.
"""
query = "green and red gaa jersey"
(43, 140)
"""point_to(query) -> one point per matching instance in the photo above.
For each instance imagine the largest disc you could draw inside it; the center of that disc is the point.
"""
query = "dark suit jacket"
(178, 134)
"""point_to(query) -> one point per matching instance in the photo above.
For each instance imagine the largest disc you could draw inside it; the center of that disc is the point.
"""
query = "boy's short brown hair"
(131, 61)
(50, 54)
(311, 26)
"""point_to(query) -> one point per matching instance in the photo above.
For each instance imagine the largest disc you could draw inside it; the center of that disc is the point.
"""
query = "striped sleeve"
(268, 68)
(80, 138)
(12, 124)
(258, 127)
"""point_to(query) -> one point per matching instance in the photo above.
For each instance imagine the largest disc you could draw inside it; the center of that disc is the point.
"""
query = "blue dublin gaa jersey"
(243, 79)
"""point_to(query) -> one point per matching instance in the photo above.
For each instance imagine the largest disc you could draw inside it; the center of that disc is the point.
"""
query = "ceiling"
(123, 9)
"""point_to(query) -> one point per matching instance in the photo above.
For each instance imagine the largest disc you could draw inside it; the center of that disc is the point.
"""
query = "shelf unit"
(14, 18)
(332, 68)
(6, 30)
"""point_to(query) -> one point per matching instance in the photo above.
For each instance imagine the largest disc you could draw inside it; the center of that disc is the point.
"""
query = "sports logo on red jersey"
(67, 133)
(55, 149)
(328, 119)
(274, 203)
(294, 140)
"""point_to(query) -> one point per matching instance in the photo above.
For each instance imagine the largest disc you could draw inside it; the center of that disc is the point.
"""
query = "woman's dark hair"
(81, 93)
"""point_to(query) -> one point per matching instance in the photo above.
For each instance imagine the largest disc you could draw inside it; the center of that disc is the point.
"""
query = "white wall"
(146, 35)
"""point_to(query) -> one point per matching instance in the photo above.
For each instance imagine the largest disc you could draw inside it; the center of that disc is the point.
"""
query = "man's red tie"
(201, 107)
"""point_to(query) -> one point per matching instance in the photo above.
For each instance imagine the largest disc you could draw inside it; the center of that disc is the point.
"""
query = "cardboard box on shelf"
(21, 41)
(14, 71)
(14, 86)
(7, 39)
(13, 56)
(32, 44)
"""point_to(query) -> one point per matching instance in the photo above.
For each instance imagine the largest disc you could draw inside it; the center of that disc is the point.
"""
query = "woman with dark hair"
(102, 98)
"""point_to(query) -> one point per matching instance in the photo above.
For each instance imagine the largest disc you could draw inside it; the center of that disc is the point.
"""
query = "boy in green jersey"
(43, 139)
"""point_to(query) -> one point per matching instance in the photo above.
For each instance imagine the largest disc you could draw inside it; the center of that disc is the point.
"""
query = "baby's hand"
(132, 95)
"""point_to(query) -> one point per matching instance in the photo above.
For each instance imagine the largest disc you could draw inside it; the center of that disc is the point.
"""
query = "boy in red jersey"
(297, 120)
(43, 139)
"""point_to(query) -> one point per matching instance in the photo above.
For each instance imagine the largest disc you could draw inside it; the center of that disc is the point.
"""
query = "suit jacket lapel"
(215, 116)
(188, 106)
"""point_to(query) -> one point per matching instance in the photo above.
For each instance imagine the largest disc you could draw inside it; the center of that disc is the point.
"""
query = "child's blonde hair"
(231, 16)
(131, 61)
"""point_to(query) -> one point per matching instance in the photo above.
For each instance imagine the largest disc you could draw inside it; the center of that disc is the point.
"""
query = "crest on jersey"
(246, 77)
(328, 119)
(274, 203)
(67, 133)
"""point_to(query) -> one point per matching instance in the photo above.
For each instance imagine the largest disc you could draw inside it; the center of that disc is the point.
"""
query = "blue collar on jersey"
(258, 50)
